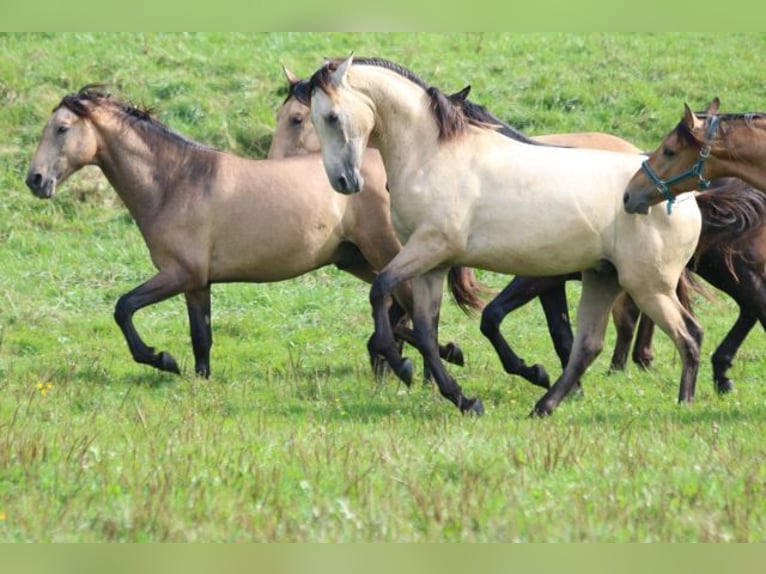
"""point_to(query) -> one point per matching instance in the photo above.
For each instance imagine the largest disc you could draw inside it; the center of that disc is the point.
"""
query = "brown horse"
(208, 216)
(699, 148)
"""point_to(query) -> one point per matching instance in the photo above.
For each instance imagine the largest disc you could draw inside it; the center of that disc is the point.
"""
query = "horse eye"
(296, 120)
(62, 129)
(332, 118)
(667, 152)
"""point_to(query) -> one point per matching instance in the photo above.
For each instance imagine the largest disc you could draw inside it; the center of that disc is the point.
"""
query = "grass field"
(292, 439)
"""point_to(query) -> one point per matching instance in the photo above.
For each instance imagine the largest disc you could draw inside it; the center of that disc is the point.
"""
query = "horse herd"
(401, 185)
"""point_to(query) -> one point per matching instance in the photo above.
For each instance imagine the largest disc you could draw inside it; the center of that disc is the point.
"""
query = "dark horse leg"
(521, 290)
(626, 316)
(427, 291)
(158, 288)
(198, 309)
(747, 287)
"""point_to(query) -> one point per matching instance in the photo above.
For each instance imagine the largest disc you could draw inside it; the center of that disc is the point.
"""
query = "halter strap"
(663, 185)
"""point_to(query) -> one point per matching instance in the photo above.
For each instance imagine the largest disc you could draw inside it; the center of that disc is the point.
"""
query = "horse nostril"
(34, 180)
(625, 198)
(343, 183)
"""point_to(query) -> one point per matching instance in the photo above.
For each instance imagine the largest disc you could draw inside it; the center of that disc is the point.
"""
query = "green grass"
(292, 439)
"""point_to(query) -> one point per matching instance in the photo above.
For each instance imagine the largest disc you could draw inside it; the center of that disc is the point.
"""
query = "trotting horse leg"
(683, 329)
(158, 288)
(625, 315)
(599, 290)
(422, 253)
(198, 309)
(725, 352)
(427, 292)
(517, 293)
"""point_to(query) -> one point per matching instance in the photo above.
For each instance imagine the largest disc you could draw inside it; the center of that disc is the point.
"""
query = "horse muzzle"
(42, 187)
(348, 183)
(633, 204)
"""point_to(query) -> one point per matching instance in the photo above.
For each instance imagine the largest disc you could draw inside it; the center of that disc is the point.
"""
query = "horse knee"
(122, 310)
(491, 318)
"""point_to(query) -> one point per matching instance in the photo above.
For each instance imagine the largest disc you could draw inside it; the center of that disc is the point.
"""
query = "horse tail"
(688, 285)
(466, 289)
(733, 215)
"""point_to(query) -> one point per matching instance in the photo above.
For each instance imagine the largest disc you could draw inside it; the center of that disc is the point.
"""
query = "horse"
(731, 256)
(295, 135)
(208, 216)
(700, 148)
(461, 193)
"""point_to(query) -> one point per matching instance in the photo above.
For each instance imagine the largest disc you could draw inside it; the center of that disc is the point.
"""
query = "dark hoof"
(454, 355)
(540, 377)
(724, 386)
(542, 409)
(202, 371)
(472, 407)
(404, 372)
(166, 362)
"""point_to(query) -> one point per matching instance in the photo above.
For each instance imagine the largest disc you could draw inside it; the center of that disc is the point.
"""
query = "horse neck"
(744, 152)
(403, 122)
(128, 163)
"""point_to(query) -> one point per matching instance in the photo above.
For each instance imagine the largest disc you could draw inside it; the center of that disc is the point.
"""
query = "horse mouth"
(41, 187)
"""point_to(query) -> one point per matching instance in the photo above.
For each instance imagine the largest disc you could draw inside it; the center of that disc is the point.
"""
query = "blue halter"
(663, 185)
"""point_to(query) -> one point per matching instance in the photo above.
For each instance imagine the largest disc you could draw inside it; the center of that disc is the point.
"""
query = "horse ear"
(337, 76)
(689, 117)
(292, 79)
(712, 107)
(300, 91)
(462, 95)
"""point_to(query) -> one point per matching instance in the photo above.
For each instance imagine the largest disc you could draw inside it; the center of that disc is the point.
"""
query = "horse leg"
(158, 288)
(198, 309)
(427, 298)
(422, 253)
(517, 293)
(683, 329)
(359, 267)
(642, 349)
(625, 315)
(724, 354)
(599, 290)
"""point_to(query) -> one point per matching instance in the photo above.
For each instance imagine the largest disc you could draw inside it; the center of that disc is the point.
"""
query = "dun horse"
(462, 194)
(209, 217)
(731, 255)
(698, 149)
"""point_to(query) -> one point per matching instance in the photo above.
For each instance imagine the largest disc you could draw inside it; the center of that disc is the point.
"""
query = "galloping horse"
(700, 148)
(208, 216)
(462, 194)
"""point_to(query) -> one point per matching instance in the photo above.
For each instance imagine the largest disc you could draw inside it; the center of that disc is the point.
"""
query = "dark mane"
(683, 131)
(142, 119)
(178, 155)
(452, 115)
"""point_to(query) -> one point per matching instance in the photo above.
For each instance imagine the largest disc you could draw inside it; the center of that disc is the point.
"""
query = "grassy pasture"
(292, 439)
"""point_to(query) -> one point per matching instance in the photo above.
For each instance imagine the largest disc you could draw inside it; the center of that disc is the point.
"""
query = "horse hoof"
(404, 372)
(168, 363)
(724, 386)
(540, 377)
(454, 355)
(542, 409)
(202, 371)
(472, 407)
